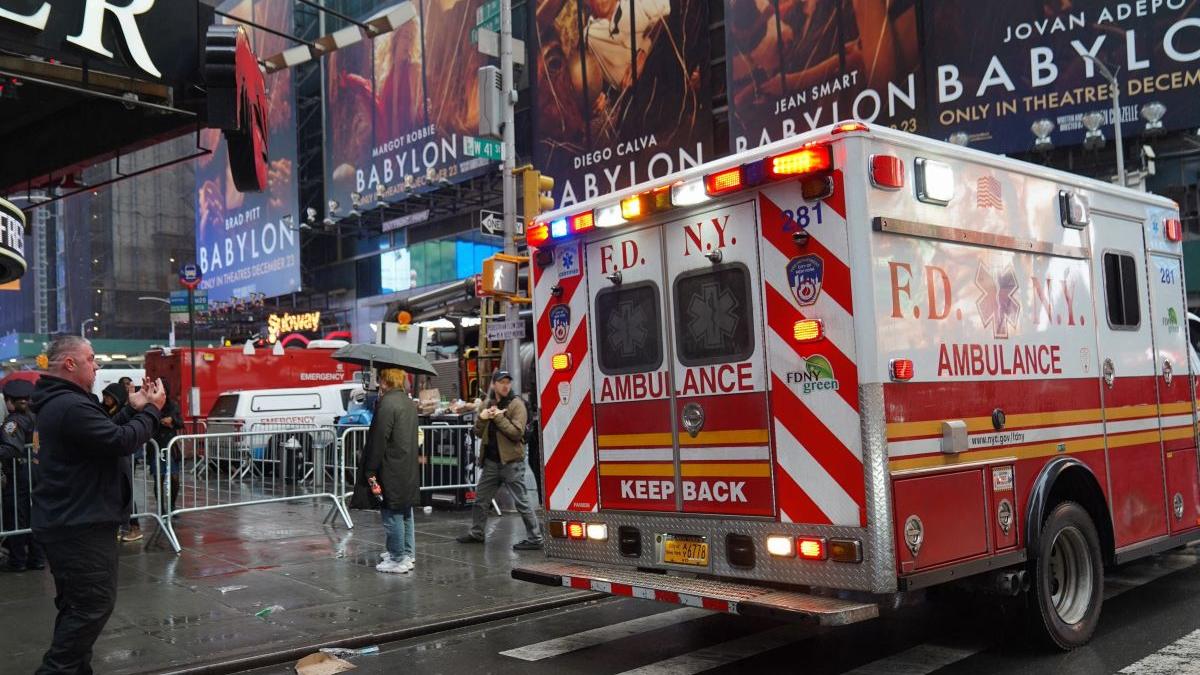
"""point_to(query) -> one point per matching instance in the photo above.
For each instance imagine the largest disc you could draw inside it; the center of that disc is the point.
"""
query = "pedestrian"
(83, 494)
(24, 553)
(126, 382)
(500, 426)
(389, 474)
(113, 398)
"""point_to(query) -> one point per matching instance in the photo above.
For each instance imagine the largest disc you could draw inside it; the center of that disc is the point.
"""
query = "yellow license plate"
(684, 552)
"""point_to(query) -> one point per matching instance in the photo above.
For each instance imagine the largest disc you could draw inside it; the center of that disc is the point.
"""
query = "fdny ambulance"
(802, 380)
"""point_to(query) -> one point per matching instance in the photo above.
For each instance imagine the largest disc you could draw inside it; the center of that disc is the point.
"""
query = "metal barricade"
(17, 479)
(16, 494)
(268, 466)
(447, 455)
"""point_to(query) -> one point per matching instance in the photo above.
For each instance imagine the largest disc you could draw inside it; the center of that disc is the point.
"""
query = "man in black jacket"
(84, 492)
(24, 553)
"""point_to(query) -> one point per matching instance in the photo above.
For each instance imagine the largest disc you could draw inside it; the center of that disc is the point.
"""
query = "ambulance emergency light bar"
(812, 161)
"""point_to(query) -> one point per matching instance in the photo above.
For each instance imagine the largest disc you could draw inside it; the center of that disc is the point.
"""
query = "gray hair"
(63, 346)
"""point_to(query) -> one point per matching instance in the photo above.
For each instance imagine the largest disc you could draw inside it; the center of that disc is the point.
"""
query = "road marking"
(919, 660)
(598, 636)
(725, 653)
(1178, 658)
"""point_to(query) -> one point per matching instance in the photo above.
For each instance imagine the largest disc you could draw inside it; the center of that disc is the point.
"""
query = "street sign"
(483, 147)
(179, 301)
(491, 224)
(489, 43)
(189, 275)
(492, 24)
(488, 11)
(498, 331)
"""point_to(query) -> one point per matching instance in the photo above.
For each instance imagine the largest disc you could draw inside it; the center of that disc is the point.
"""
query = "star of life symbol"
(998, 305)
(628, 328)
(711, 317)
(567, 258)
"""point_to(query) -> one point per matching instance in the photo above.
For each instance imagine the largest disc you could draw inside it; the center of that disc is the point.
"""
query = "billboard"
(622, 92)
(1007, 65)
(795, 66)
(247, 243)
(398, 107)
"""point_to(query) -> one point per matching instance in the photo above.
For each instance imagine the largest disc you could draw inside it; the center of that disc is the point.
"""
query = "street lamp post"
(83, 327)
(171, 338)
(1116, 99)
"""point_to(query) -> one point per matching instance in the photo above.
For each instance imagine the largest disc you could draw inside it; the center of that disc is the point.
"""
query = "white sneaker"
(388, 567)
(385, 556)
(407, 563)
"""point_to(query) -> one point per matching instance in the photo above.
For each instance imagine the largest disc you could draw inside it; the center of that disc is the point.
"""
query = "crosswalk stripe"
(919, 660)
(724, 653)
(597, 636)
(1181, 657)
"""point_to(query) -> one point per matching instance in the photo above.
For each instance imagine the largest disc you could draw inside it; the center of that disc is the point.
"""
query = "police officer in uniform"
(24, 553)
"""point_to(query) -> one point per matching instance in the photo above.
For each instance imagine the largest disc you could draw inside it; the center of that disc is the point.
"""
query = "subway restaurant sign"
(12, 242)
(282, 324)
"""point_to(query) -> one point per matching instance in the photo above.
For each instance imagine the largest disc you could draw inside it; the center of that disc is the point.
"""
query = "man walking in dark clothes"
(83, 494)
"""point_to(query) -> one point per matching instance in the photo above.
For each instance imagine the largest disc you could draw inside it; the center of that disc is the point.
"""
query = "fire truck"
(806, 379)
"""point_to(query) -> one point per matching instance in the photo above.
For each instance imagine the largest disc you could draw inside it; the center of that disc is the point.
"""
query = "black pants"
(84, 565)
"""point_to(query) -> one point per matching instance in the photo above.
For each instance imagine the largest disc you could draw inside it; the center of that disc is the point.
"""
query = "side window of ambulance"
(1121, 291)
(713, 316)
(629, 328)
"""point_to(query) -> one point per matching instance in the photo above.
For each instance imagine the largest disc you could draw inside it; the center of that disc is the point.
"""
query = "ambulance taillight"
(560, 362)
(723, 181)
(576, 531)
(1173, 229)
(935, 181)
(808, 330)
(537, 234)
(582, 222)
(805, 161)
(901, 370)
(811, 548)
(887, 172)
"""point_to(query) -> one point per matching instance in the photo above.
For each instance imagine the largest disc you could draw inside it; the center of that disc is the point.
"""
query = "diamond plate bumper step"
(720, 596)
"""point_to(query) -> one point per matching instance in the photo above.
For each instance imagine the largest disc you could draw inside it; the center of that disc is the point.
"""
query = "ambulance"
(806, 379)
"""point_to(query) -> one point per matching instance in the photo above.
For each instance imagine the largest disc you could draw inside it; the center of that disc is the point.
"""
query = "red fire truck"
(223, 369)
(800, 380)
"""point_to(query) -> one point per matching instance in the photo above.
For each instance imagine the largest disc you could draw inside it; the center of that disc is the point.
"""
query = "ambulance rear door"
(718, 362)
(634, 440)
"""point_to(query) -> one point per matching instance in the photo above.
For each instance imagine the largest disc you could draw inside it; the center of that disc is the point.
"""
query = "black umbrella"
(384, 356)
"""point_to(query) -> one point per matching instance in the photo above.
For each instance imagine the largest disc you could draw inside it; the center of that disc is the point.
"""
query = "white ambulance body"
(862, 361)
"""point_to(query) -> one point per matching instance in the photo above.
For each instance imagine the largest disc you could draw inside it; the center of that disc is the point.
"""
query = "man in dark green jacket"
(501, 428)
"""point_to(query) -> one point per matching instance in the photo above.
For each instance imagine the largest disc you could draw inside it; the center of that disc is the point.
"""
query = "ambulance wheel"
(1068, 579)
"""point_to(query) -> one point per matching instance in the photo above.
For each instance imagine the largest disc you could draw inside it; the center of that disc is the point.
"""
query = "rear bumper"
(720, 596)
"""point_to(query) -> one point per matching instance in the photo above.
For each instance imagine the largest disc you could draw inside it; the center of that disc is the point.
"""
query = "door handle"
(1109, 371)
(692, 418)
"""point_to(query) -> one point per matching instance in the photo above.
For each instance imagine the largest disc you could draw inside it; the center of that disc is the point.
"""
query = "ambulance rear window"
(713, 317)
(1120, 291)
(629, 329)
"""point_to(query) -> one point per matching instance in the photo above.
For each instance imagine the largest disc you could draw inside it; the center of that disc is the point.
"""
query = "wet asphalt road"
(1150, 624)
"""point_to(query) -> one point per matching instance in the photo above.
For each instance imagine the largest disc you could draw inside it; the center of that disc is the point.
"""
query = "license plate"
(685, 552)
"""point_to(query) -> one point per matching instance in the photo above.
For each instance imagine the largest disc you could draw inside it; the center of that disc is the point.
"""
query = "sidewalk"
(175, 612)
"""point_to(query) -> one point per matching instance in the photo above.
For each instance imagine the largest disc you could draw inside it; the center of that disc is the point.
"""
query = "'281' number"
(802, 217)
(1167, 275)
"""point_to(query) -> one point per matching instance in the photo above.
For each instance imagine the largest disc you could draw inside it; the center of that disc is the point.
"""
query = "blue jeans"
(401, 533)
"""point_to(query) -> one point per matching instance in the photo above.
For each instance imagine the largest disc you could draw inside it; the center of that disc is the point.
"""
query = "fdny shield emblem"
(560, 322)
(804, 276)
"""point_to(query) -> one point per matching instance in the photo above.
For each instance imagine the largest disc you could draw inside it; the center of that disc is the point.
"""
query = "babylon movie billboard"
(795, 66)
(398, 107)
(622, 92)
(1008, 64)
(247, 242)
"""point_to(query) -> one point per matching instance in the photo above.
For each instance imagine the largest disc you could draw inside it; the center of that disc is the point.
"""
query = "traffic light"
(537, 189)
(500, 275)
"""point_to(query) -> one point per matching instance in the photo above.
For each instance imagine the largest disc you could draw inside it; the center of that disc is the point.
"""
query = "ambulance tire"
(1067, 584)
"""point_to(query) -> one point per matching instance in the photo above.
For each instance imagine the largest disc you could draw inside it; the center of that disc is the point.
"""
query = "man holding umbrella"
(501, 428)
